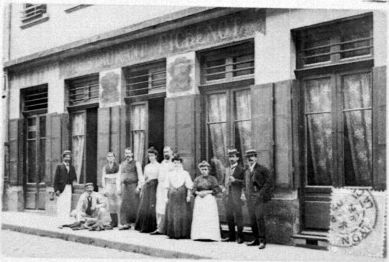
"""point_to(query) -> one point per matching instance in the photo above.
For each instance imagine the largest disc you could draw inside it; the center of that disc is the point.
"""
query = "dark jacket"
(235, 188)
(258, 184)
(62, 177)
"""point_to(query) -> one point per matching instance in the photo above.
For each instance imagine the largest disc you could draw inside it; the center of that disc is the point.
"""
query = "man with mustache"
(165, 167)
(65, 177)
(131, 181)
(259, 188)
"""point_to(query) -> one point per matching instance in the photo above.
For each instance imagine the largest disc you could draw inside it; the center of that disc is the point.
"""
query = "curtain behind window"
(217, 124)
(78, 143)
(319, 131)
(357, 129)
(242, 109)
(138, 130)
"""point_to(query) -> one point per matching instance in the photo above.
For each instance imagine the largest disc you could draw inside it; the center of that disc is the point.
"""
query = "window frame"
(334, 29)
(87, 100)
(227, 53)
(337, 120)
(229, 89)
(152, 68)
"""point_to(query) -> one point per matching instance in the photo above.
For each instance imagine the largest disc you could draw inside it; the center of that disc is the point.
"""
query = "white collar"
(234, 165)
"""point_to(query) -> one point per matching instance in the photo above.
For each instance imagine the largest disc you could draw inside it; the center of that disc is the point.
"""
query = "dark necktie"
(89, 208)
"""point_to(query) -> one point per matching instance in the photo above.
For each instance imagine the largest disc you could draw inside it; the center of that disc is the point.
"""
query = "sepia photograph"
(194, 130)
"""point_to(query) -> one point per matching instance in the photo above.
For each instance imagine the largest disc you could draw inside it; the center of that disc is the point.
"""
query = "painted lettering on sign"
(220, 30)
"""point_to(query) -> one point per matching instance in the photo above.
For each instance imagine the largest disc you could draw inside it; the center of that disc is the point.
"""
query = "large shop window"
(83, 90)
(227, 64)
(146, 79)
(228, 120)
(34, 108)
(339, 42)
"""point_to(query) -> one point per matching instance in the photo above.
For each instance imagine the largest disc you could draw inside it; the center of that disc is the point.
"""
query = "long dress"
(205, 220)
(178, 212)
(130, 197)
(146, 219)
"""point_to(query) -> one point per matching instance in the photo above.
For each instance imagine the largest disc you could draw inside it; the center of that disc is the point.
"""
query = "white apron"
(64, 202)
(205, 222)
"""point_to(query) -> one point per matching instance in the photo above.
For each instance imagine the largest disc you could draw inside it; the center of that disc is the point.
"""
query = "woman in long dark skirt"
(178, 212)
(146, 221)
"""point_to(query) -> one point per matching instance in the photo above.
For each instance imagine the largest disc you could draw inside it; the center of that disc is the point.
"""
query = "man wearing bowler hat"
(232, 189)
(259, 187)
(65, 177)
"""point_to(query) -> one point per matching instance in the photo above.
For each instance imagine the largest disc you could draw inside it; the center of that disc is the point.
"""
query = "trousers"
(257, 211)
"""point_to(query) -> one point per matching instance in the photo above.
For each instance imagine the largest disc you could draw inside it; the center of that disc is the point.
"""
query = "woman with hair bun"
(178, 185)
(146, 221)
(205, 221)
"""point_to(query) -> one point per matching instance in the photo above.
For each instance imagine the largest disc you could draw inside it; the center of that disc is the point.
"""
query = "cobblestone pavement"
(15, 244)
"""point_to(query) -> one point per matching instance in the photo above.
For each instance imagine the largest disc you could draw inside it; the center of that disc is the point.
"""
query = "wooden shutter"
(170, 123)
(124, 126)
(379, 130)
(103, 139)
(262, 123)
(16, 151)
(54, 145)
(297, 129)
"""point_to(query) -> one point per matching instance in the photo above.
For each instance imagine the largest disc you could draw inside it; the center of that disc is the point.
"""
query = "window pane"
(31, 166)
(31, 122)
(318, 93)
(217, 108)
(358, 148)
(139, 82)
(217, 142)
(319, 132)
(138, 117)
(78, 144)
(242, 111)
(42, 161)
(319, 153)
(357, 94)
(138, 145)
(42, 126)
(356, 34)
(316, 48)
(215, 69)
(357, 91)
(217, 139)
(243, 65)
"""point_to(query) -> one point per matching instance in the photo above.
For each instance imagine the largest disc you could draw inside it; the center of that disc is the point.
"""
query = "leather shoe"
(239, 240)
(125, 227)
(253, 243)
(228, 239)
(262, 245)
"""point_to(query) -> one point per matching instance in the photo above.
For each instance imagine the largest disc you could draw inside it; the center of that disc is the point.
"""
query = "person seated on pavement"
(91, 211)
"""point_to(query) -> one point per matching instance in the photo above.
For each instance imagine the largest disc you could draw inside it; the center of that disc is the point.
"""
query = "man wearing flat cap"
(232, 189)
(65, 177)
(258, 187)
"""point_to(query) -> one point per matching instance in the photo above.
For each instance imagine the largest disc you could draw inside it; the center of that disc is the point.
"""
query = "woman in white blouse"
(178, 214)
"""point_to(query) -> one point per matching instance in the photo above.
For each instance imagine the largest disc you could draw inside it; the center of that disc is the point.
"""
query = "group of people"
(159, 198)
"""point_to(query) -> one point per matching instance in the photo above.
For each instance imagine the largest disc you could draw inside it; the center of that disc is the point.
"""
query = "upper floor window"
(83, 90)
(336, 42)
(146, 79)
(229, 63)
(33, 13)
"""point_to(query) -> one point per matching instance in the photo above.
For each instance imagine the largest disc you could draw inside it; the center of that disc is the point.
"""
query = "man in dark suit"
(258, 189)
(232, 189)
(64, 179)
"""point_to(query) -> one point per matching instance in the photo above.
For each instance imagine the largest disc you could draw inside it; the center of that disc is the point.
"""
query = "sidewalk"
(161, 246)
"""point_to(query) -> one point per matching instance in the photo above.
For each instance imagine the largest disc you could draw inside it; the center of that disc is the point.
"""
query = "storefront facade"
(302, 87)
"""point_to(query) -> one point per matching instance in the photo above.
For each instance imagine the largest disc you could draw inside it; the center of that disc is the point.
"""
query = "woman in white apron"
(205, 221)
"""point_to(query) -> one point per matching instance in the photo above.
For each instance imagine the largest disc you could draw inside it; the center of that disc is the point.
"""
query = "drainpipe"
(274, 138)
